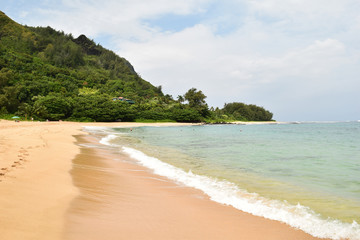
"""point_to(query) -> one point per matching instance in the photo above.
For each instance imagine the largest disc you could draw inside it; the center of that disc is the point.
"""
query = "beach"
(54, 186)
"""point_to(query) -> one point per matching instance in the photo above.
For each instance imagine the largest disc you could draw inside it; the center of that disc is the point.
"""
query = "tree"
(196, 100)
(9, 98)
(102, 109)
(5, 76)
(185, 115)
(57, 106)
(180, 99)
(35, 110)
(242, 111)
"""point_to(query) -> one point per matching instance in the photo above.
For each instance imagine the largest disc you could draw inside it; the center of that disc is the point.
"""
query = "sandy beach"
(54, 187)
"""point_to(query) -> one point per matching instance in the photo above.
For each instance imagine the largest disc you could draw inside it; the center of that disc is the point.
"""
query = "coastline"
(43, 201)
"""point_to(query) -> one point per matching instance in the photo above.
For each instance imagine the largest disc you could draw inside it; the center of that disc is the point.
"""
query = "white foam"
(107, 140)
(96, 129)
(99, 129)
(228, 193)
(109, 133)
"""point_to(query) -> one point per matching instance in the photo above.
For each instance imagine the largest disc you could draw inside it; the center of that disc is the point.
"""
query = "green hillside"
(41, 66)
(47, 74)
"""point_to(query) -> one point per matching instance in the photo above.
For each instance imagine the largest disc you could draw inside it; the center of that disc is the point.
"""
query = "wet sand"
(122, 200)
(54, 187)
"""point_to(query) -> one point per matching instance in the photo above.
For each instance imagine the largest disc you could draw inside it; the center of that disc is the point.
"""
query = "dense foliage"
(243, 112)
(47, 74)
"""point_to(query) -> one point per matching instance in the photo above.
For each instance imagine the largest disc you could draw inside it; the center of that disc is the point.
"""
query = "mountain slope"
(36, 62)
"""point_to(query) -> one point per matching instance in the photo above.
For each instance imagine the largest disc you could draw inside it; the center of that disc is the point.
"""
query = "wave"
(107, 140)
(227, 193)
(97, 130)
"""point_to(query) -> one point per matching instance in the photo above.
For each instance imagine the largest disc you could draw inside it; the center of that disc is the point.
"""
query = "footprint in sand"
(23, 154)
(4, 171)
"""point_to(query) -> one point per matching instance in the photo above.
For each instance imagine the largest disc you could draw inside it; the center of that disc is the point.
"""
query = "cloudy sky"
(298, 58)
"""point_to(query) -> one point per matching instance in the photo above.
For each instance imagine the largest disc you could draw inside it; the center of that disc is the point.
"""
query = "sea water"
(306, 175)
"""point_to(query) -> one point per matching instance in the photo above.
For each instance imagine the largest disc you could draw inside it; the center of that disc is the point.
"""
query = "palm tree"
(32, 110)
(180, 99)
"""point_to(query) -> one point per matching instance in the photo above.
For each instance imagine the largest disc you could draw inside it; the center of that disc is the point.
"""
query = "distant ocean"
(306, 174)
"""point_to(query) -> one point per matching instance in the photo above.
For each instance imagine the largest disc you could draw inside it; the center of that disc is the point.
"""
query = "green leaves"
(64, 53)
(195, 98)
(57, 106)
(5, 76)
(197, 101)
(69, 78)
(101, 108)
(244, 112)
(37, 110)
(9, 98)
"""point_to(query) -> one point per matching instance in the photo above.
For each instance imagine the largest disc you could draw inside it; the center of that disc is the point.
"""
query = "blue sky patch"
(173, 22)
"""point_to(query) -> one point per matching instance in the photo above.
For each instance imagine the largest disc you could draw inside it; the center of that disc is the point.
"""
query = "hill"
(41, 65)
(47, 74)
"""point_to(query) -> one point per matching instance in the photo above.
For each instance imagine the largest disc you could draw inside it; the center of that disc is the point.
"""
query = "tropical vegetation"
(47, 74)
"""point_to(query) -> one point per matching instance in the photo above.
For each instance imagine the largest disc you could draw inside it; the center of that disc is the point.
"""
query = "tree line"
(47, 74)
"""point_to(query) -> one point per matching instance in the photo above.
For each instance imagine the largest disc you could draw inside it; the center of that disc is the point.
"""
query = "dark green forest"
(49, 75)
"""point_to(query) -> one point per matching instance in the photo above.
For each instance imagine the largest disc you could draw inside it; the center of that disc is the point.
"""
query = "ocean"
(306, 175)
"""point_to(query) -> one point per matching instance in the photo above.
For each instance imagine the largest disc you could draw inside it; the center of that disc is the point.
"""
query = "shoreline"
(134, 203)
(43, 190)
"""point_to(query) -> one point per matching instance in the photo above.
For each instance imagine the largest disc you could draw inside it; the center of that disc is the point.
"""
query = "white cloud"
(297, 58)
(196, 57)
(23, 14)
(122, 19)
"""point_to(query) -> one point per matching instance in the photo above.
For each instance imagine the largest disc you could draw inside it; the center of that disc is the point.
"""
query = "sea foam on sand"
(228, 193)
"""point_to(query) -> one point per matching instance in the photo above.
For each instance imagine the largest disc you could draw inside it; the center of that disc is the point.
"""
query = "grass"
(10, 117)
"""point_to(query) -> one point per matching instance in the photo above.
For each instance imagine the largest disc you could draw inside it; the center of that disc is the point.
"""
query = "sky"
(300, 59)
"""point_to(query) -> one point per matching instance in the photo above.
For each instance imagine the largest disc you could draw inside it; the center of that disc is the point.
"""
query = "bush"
(101, 109)
(57, 107)
(186, 115)
(153, 114)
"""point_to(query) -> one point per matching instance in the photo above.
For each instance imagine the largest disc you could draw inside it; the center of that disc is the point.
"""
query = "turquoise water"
(312, 167)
